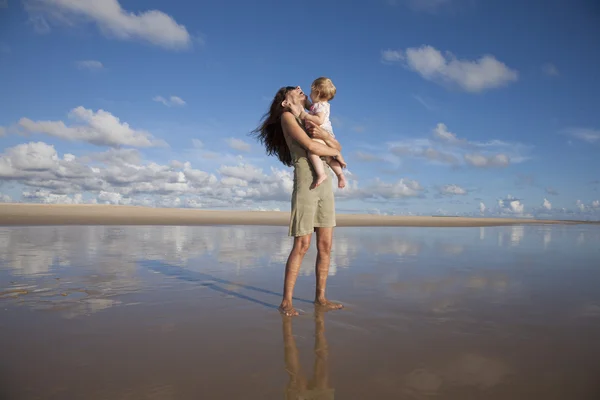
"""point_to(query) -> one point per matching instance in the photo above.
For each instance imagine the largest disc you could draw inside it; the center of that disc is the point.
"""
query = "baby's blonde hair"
(324, 88)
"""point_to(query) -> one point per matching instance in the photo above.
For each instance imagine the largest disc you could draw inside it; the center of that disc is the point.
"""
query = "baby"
(322, 91)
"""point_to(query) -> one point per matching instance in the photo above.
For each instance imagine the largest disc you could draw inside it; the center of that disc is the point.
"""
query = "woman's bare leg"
(324, 241)
(301, 245)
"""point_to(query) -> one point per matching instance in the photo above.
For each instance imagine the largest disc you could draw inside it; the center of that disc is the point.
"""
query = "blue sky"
(443, 106)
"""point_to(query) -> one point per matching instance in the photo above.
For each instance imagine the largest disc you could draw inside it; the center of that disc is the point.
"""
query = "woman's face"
(295, 96)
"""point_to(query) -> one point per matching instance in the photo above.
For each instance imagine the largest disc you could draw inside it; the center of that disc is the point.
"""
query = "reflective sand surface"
(97, 312)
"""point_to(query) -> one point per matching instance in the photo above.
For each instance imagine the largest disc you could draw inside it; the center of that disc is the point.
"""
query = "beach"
(92, 214)
(188, 312)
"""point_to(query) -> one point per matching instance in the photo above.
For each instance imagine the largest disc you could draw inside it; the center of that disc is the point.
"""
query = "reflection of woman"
(318, 387)
(313, 210)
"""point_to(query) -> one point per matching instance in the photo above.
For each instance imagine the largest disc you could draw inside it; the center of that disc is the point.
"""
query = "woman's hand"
(341, 160)
(296, 109)
(316, 132)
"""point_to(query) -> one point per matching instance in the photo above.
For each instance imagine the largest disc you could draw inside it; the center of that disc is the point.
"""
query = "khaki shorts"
(310, 208)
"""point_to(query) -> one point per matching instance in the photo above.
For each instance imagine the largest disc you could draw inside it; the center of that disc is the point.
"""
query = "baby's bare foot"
(328, 305)
(320, 179)
(341, 181)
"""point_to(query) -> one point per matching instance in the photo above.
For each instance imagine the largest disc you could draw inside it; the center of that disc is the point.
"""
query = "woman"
(313, 210)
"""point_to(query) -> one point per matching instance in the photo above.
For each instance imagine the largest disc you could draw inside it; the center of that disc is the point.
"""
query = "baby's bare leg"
(317, 164)
(339, 171)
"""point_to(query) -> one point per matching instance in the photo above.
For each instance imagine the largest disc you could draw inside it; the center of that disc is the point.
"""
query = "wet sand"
(47, 214)
(113, 312)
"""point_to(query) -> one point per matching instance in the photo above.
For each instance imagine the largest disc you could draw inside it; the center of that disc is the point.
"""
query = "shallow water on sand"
(96, 312)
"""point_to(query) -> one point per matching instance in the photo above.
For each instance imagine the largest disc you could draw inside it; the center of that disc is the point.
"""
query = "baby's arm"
(307, 103)
(317, 118)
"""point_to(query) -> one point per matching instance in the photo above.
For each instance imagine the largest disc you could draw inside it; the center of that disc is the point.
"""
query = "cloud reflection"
(471, 370)
(81, 266)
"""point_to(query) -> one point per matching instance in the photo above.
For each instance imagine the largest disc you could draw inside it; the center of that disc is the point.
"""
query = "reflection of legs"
(324, 239)
(297, 382)
(297, 387)
(317, 164)
(301, 245)
(321, 369)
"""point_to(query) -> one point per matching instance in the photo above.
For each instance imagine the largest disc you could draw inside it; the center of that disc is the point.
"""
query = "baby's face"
(313, 96)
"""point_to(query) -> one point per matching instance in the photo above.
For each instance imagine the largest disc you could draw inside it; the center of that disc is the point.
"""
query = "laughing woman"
(313, 210)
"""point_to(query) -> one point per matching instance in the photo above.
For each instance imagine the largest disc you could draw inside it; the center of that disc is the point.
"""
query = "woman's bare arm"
(332, 142)
(319, 133)
(291, 127)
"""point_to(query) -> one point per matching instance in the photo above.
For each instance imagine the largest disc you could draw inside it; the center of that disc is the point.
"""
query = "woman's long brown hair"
(270, 132)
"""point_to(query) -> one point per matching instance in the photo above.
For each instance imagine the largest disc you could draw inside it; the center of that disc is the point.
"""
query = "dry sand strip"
(46, 214)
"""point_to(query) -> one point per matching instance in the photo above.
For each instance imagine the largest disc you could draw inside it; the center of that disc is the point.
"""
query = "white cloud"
(550, 69)
(193, 203)
(547, 205)
(422, 149)
(581, 211)
(4, 198)
(392, 56)
(471, 76)
(482, 161)
(452, 190)
(113, 198)
(91, 65)
(47, 197)
(510, 205)
(587, 135)
(400, 189)
(238, 144)
(23, 158)
(517, 207)
(449, 149)
(441, 132)
(245, 172)
(482, 207)
(436, 155)
(367, 157)
(119, 176)
(2, 131)
(101, 128)
(152, 26)
(173, 101)
(197, 143)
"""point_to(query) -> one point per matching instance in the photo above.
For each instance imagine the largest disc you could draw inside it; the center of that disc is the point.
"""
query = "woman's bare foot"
(320, 179)
(341, 181)
(287, 309)
(328, 305)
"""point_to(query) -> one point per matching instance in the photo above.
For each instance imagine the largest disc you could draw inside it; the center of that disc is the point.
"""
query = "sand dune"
(46, 214)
